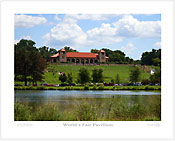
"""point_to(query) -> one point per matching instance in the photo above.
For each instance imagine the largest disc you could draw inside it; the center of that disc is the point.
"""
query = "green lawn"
(109, 72)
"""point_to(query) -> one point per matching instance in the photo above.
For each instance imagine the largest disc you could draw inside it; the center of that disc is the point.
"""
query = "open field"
(51, 75)
(109, 72)
(116, 108)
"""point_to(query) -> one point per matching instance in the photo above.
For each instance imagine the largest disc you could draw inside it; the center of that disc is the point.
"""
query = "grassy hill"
(109, 72)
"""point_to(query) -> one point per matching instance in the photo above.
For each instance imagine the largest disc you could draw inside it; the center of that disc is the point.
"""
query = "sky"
(131, 33)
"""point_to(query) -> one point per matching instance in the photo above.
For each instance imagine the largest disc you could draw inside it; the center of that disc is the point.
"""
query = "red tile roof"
(55, 55)
(81, 55)
(78, 55)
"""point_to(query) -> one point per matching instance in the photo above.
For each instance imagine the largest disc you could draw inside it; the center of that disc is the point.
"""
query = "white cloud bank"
(68, 32)
(28, 21)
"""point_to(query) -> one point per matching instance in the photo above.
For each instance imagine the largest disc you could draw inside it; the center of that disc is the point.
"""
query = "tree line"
(97, 77)
(115, 57)
(30, 63)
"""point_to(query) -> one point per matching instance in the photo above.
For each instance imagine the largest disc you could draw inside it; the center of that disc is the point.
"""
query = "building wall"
(102, 57)
(62, 56)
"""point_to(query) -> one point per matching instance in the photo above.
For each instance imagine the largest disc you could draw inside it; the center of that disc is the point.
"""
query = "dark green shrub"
(94, 87)
(86, 87)
(101, 87)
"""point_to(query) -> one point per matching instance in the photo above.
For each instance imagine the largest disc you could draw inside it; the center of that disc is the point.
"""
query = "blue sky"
(133, 34)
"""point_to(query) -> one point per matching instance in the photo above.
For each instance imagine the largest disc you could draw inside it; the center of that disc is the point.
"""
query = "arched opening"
(96, 61)
(68, 60)
(54, 60)
(77, 61)
(73, 60)
(87, 61)
(82, 61)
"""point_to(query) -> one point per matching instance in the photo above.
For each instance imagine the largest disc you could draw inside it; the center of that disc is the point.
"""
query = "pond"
(81, 105)
(60, 95)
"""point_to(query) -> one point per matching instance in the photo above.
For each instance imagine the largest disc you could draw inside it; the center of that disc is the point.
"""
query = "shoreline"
(114, 88)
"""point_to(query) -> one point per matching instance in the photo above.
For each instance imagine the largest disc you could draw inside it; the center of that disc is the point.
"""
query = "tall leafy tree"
(151, 58)
(69, 49)
(83, 76)
(135, 74)
(69, 78)
(46, 52)
(97, 75)
(29, 65)
(94, 51)
(156, 77)
(63, 78)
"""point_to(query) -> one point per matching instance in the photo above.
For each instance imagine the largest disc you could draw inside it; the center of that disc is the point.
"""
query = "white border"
(55, 130)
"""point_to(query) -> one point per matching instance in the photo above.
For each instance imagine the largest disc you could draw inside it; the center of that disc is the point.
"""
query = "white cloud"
(73, 18)
(68, 32)
(157, 44)
(23, 37)
(94, 17)
(28, 21)
(65, 34)
(57, 18)
(129, 48)
(104, 34)
(128, 26)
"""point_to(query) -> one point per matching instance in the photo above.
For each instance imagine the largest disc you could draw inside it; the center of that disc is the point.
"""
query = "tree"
(116, 56)
(156, 61)
(94, 51)
(46, 52)
(156, 77)
(83, 76)
(37, 66)
(69, 78)
(63, 78)
(97, 75)
(135, 74)
(69, 49)
(117, 79)
(29, 65)
(151, 58)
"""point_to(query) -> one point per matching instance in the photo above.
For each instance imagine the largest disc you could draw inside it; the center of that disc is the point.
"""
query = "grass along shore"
(118, 108)
(146, 87)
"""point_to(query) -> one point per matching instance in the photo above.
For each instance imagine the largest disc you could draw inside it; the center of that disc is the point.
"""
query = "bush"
(101, 87)
(145, 81)
(86, 87)
(94, 87)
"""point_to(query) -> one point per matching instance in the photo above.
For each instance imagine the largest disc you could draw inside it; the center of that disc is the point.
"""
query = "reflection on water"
(68, 96)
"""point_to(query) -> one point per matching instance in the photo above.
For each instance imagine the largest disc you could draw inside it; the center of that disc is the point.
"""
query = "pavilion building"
(79, 57)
